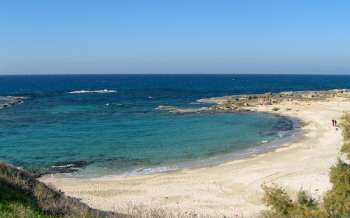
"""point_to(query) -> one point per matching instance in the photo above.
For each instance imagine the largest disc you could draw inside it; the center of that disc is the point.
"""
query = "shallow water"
(109, 123)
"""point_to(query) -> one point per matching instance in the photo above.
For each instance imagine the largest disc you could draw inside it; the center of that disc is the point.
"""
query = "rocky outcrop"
(173, 109)
(8, 101)
(242, 103)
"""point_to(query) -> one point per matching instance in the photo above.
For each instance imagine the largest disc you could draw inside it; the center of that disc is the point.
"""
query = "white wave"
(282, 134)
(166, 108)
(93, 91)
(147, 171)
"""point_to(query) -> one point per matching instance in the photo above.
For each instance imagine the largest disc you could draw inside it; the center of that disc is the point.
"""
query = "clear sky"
(165, 36)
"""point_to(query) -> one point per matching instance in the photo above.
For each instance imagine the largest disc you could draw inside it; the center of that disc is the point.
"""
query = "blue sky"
(247, 36)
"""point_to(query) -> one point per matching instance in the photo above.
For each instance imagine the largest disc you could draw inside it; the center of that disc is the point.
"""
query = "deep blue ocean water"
(122, 131)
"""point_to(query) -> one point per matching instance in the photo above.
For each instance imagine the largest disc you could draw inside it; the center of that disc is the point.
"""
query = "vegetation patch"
(14, 203)
(21, 195)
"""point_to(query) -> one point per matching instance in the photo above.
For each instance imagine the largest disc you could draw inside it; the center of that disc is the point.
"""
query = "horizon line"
(169, 74)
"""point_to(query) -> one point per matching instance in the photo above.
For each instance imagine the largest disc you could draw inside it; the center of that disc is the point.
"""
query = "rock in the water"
(62, 167)
(7, 101)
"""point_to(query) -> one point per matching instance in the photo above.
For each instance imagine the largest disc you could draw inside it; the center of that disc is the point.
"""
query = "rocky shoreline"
(245, 103)
(60, 167)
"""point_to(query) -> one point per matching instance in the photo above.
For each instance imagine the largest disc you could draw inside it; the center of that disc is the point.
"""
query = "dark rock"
(62, 167)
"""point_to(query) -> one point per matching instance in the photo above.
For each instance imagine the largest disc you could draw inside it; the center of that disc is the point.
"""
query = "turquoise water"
(117, 143)
(104, 133)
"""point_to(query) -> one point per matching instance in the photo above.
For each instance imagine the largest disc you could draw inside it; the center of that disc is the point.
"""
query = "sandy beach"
(232, 188)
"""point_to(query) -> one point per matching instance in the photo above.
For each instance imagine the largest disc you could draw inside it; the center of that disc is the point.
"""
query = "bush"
(277, 199)
(346, 148)
(337, 200)
(306, 201)
(281, 205)
(345, 123)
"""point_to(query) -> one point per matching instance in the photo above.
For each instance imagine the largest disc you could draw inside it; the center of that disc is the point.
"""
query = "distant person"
(333, 122)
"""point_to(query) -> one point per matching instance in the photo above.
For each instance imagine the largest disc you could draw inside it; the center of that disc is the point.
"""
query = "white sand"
(234, 187)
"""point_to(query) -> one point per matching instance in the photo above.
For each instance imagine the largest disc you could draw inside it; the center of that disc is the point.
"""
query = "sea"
(98, 125)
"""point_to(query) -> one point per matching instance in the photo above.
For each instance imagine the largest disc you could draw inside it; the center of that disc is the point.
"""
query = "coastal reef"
(244, 103)
(8, 101)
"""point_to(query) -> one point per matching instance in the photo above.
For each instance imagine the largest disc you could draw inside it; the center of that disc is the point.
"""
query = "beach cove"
(232, 188)
(101, 125)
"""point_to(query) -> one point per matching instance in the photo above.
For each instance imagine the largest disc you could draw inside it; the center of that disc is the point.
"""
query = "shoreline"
(293, 135)
(230, 188)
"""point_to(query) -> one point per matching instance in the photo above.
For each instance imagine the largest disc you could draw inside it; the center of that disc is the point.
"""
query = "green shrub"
(346, 149)
(277, 199)
(14, 203)
(337, 200)
(19, 191)
(306, 201)
(345, 123)
(282, 206)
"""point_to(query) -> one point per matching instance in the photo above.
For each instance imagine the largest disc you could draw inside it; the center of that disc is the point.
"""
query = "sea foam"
(101, 91)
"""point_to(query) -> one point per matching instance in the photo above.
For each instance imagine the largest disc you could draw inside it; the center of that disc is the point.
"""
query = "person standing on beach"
(332, 122)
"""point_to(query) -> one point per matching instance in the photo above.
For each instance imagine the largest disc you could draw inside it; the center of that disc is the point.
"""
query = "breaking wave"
(101, 91)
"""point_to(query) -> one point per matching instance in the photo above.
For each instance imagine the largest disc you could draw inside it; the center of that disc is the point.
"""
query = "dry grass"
(144, 212)
(14, 203)
(31, 194)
